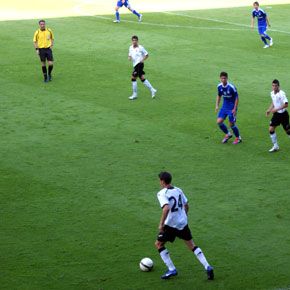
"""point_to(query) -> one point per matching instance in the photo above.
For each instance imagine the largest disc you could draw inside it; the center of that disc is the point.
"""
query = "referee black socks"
(50, 68)
(44, 70)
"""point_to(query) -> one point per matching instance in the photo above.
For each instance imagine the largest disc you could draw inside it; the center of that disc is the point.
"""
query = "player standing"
(43, 42)
(125, 3)
(280, 114)
(138, 54)
(173, 223)
(263, 23)
(229, 108)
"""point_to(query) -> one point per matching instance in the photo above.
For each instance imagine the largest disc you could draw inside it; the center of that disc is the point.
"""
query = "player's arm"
(234, 110)
(270, 109)
(217, 103)
(186, 208)
(165, 211)
(268, 22)
(145, 57)
(274, 110)
(35, 42)
(253, 22)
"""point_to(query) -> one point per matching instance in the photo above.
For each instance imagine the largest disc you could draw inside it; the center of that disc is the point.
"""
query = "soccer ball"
(146, 264)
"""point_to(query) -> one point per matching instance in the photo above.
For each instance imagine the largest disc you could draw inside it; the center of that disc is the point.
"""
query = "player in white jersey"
(138, 54)
(173, 223)
(280, 114)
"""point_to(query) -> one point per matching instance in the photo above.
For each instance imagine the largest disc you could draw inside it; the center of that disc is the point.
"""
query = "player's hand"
(267, 113)
(216, 109)
(234, 111)
(161, 228)
(273, 110)
(37, 51)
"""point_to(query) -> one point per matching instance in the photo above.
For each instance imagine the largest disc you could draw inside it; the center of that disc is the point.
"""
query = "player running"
(173, 223)
(263, 23)
(125, 3)
(228, 109)
(280, 114)
(138, 54)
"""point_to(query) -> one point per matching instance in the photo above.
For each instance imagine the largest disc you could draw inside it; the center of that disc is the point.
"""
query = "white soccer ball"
(146, 264)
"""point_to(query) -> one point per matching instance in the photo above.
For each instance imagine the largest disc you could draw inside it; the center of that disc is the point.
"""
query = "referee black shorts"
(45, 54)
(138, 70)
(280, 119)
(169, 234)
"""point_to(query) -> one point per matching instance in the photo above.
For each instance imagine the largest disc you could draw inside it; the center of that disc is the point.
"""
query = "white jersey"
(137, 54)
(279, 100)
(175, 198)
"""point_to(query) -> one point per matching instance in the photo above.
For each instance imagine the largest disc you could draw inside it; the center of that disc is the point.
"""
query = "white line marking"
(220, 21)
(171, 25)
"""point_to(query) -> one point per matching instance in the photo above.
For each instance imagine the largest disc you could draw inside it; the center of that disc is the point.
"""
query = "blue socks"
(224, 128)
(136, 13)
(264, 40)
(117, 15)
(236, 131)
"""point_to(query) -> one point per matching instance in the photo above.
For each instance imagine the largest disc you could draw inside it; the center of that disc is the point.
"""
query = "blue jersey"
(261, 16)
(229, 94)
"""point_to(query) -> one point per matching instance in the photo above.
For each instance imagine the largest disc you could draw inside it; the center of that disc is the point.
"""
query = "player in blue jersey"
(263, 23)
(230, 96)
(125, 3)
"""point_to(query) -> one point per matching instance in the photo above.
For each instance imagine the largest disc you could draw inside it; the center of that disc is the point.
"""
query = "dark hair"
(135, 37)
(256, 3)
(223, 74)
(275, 81)
(165, 176)
(41, 20)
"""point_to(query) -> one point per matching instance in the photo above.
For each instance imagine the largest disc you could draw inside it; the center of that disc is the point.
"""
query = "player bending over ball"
(263, 23)
(138, 54)
(173, 223)
(125, 3)
(229, 108)
(280, 114)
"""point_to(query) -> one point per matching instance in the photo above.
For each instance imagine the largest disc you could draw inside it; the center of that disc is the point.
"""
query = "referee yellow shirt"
(43, 38)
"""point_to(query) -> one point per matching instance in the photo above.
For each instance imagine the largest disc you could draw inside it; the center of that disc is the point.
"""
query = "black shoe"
(45, 80)
(209, 272)
(49, 78)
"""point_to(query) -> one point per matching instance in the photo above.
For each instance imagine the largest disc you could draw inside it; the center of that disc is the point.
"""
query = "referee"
(43, 42)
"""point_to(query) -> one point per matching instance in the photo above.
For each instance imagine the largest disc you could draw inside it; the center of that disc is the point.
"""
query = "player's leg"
(235, 129)
(146, 83)
(268, 37)
(285, 123)
(274, 140)
(50, 63)
(220, 122)
(134, 86)
(185, 234)
(117, 14)
(163, 237)
(262, 29)
(127, 4)
(42, 57)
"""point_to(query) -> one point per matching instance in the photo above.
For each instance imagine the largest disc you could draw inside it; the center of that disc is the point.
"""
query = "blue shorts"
(120, 4)
(227, 113)
(262, 29)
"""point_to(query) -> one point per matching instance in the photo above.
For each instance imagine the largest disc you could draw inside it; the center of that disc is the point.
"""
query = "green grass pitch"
(79, 161)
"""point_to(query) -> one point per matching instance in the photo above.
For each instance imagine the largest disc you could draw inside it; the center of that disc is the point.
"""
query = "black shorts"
(280, 119)
(45, 54)
(170, 234)
(138, 70)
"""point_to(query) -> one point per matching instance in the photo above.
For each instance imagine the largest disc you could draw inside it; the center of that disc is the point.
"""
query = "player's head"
(135, 40)
(256, 5)
(224, 77)
(165, 178)
(275, 85)
(41, 24)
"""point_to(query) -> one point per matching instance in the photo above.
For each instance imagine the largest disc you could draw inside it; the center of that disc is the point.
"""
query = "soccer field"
(79, 161)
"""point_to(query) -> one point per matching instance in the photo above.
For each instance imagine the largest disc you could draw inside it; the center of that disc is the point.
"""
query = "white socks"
(200, 256)
(148, 85)
(134, 87)
(274, 139)
(164, 254)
